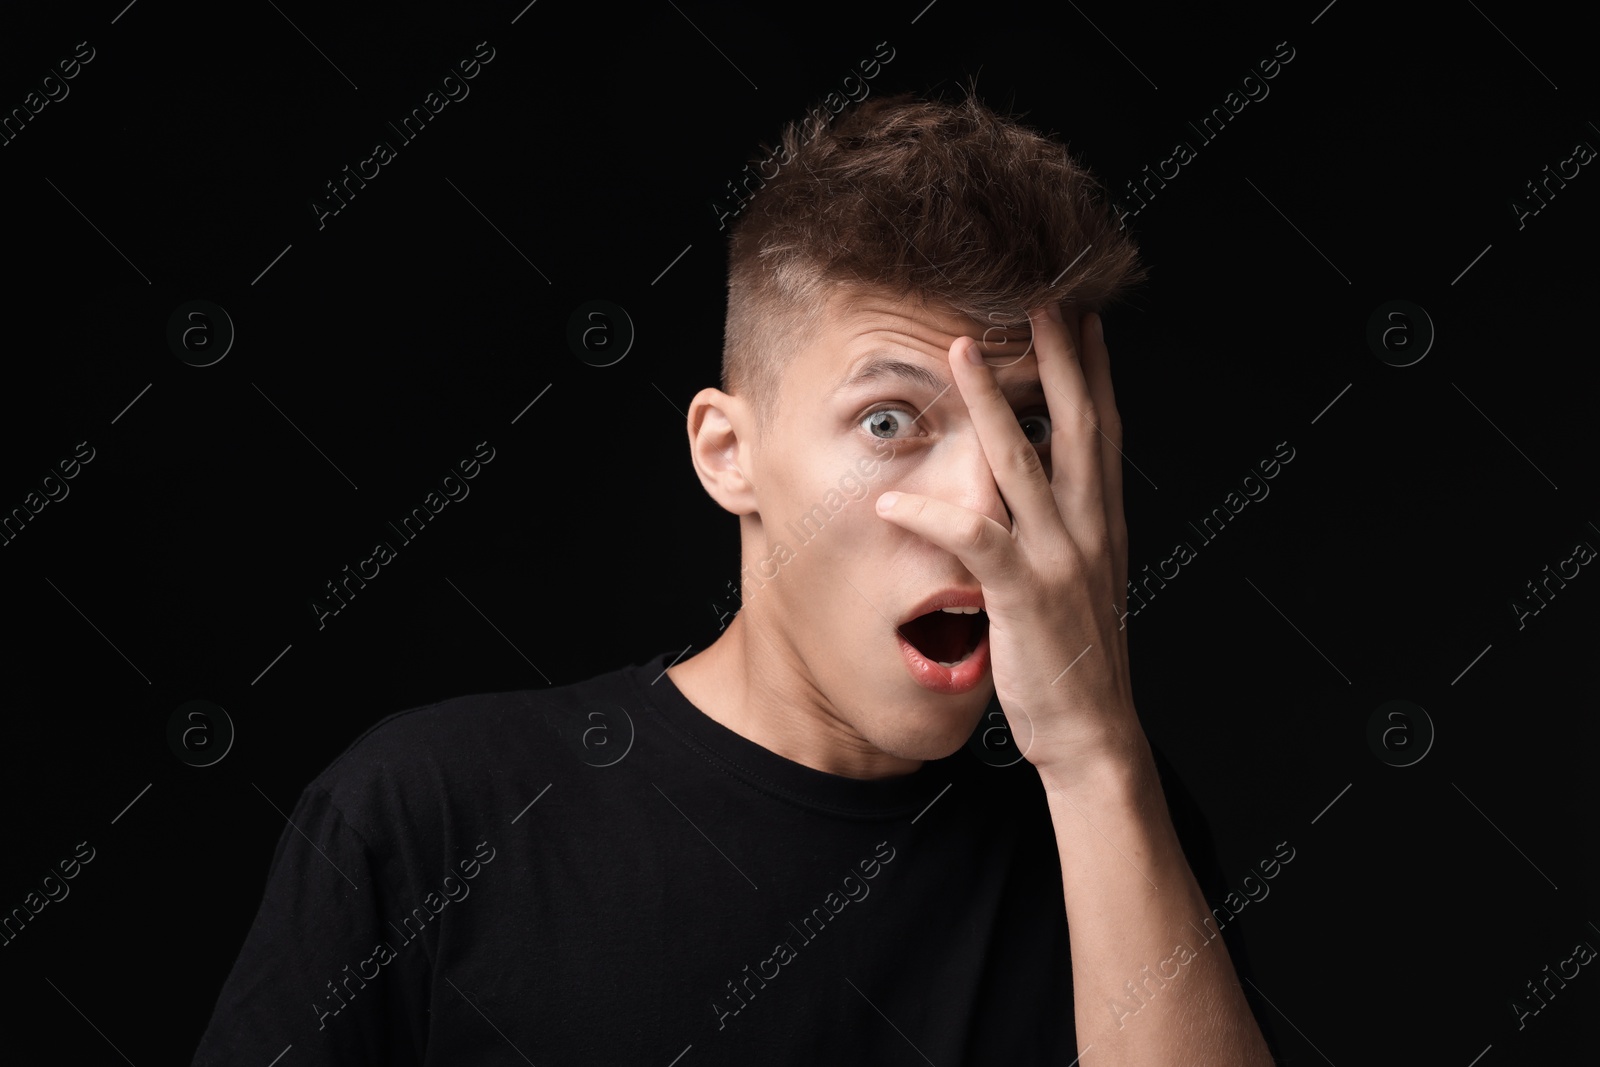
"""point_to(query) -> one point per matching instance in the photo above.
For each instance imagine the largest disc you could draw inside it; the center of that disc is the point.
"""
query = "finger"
(1074, 433)
(982, 545)
(1018, 470)
(1097, 368)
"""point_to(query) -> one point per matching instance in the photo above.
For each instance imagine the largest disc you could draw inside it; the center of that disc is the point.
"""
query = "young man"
(782, 849)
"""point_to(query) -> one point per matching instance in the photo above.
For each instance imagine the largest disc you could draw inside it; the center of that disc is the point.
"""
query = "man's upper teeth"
(961, 611)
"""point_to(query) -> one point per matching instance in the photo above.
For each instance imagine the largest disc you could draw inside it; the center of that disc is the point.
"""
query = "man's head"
(951, 204)
(884, 236)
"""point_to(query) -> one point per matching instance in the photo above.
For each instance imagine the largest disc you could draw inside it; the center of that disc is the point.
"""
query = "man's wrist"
(1119, 759)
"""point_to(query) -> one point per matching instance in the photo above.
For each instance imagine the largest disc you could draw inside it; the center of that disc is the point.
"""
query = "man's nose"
(966, 477)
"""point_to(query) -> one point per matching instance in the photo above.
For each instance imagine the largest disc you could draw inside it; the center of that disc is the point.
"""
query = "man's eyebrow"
(886, 367)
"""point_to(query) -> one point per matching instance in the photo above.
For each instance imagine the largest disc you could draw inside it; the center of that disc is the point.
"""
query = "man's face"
(829, 601)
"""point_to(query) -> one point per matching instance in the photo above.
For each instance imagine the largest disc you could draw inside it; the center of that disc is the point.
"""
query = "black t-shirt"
(601, 873)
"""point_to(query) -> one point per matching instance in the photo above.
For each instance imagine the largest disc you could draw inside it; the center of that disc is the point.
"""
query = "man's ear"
(720, 436)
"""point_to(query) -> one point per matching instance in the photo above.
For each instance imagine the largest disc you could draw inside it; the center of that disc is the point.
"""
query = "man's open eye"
(1039, 432)
(886, 422)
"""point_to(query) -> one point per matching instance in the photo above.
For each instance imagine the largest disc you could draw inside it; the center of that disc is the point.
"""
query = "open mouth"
(947, 636)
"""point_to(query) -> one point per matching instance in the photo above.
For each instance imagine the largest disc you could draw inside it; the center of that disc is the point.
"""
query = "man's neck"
(760, 689)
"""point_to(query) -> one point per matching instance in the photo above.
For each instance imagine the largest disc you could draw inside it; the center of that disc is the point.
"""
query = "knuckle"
(1025, 459)
(973, 533)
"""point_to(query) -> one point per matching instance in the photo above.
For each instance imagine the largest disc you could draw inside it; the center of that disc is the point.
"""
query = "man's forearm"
(1149, 986)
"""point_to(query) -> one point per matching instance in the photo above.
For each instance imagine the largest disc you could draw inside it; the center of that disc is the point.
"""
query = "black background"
(424, 318)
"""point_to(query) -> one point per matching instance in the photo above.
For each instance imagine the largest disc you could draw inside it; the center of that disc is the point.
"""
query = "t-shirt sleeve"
(318, 970)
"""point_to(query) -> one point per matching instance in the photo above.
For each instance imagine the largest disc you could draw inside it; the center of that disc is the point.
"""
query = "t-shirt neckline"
(779, 776)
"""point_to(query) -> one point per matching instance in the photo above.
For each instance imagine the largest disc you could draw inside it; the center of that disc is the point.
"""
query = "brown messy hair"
(950, 204)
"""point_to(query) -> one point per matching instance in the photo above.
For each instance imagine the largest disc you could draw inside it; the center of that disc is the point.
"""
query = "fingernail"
(974, 353)
(1054, 311)
(886, 501)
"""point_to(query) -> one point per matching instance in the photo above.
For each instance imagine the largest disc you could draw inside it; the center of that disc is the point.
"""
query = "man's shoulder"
(471, 749)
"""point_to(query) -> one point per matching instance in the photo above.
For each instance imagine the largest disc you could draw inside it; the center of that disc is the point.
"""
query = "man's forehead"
(881, 366)
(858, 312)
(858, 323)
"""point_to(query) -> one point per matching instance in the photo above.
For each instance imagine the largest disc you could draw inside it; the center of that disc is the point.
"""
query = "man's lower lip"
(962, 678)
